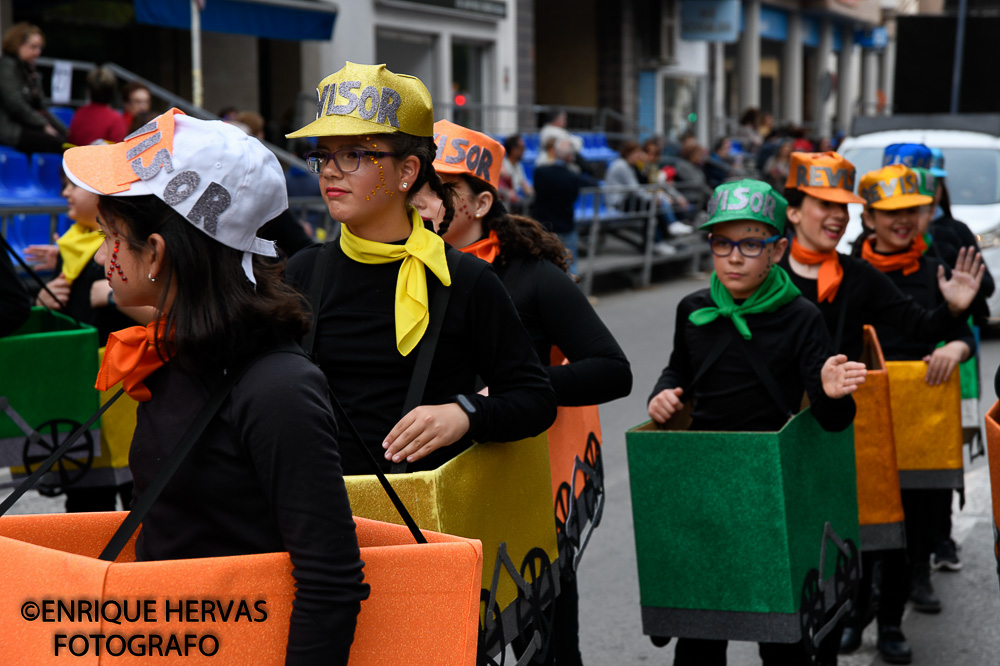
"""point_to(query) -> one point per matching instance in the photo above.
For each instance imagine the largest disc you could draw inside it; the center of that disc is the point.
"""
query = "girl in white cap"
(375, 290)
(181, 202)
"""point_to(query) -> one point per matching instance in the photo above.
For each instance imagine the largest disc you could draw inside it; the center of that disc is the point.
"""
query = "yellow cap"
(892, 187)
(369, 99)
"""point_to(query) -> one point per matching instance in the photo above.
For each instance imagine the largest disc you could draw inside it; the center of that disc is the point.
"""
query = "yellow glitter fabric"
(926, 420)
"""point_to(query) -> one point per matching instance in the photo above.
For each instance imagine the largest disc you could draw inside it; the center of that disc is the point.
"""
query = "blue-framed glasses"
(749, 247)
(347, 160)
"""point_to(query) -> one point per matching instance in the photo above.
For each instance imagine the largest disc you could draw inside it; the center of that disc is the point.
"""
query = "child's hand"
(961, 289)
(665, 404)
(424, 430)
(42, 256)
(942, 361)
(60, 289)
(842, 377)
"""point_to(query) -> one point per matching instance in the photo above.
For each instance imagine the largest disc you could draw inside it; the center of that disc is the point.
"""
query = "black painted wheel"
(491, 615)
(847, 574)
(70, 467)
(536, 570)
(565, 544)
(811, 610)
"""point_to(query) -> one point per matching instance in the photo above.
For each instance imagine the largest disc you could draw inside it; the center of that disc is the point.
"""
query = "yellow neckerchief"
(422, 248)
(77, 247)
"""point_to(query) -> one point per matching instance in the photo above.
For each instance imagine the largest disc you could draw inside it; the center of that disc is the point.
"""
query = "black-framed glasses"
(749, 247)
(347, 160)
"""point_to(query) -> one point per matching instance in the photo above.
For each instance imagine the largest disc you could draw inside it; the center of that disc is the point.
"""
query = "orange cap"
(467, 152)
(893, 187)
(827, 176)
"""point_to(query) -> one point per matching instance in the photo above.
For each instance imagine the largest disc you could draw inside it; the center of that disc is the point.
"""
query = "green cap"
(926, 181)
(747, 200)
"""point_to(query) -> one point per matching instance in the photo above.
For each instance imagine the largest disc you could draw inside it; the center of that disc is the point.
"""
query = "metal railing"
(8, 212)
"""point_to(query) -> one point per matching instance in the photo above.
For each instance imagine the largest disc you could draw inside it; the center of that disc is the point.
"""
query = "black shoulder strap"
(428, 345)
(177, 456)
(316, 288)
(47, 464)
(709, 361)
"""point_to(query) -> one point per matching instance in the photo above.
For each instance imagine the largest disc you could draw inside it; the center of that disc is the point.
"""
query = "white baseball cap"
(225, 183)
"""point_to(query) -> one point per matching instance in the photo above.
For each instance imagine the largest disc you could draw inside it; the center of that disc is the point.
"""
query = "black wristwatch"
(465, 404)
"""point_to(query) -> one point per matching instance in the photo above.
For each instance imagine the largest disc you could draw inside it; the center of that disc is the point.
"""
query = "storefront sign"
(491, 8)
(710, 20)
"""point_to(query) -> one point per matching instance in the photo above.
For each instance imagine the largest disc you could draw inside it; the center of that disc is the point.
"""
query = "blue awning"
(274, 19)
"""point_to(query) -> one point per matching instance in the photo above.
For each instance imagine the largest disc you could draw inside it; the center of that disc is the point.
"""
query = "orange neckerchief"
(130, 358)
(908, 261)
(486, 249)
(831, 273)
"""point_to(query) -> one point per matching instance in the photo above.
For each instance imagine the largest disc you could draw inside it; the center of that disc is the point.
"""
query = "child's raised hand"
(842, 377)
(60, 289)
(665, 404)
(424, 430)
(962, 287)
(942, 361)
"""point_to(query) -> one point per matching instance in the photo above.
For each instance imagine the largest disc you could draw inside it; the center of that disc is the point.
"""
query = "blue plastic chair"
(63, 113)
(25, 230)
(16, 181)
(46, 168)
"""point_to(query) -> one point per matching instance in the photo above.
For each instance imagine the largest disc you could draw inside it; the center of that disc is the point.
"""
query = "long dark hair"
(217, 317)
(424, 148)
(519, 235)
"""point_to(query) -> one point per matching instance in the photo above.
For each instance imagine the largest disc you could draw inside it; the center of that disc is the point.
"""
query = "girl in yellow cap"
(533, 266)
(376, 289)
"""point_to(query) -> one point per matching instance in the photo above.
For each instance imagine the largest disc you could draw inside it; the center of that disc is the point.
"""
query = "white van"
(971, 147)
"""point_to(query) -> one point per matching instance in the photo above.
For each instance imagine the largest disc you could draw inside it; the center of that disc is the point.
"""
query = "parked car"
(971, 148)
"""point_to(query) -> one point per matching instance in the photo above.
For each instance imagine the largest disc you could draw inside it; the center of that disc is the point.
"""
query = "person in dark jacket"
(557, 188)
(180, 221)
(25, 123)
(532, 264)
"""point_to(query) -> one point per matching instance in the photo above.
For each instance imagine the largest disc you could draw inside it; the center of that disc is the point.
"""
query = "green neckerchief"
(928, 239)
(776, 290)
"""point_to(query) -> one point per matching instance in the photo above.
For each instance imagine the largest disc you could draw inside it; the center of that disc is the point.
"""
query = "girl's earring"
(405, 186)
(150, 276)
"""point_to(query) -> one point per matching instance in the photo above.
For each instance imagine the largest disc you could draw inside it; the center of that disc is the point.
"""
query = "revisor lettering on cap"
(884, 189)
(812, 176)
(382, 106)
(757, 202)
(478, 159)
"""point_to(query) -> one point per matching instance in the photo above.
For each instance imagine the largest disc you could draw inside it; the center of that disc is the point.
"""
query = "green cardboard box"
(47, 372)
(730, 529)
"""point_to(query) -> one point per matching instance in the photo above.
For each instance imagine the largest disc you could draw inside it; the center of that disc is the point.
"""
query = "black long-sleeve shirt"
(792, 343)
(14, 304)
(872, 298)
(481, 335)
(264, 477)
(556, 313)
(898, 342)
(556, 190)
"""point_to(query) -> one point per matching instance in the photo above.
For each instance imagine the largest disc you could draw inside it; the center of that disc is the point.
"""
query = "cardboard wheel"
(69, 468)
(811, 610)
(536, 570)
(491, 615)
(847, 574)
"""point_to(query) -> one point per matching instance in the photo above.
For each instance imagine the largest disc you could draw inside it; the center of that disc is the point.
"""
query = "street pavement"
(964, 634)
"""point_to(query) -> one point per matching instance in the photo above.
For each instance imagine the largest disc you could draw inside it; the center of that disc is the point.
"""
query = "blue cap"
(937, 163)
(908, 154)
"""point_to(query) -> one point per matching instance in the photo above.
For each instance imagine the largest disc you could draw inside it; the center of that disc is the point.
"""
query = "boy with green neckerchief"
(745, 350)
